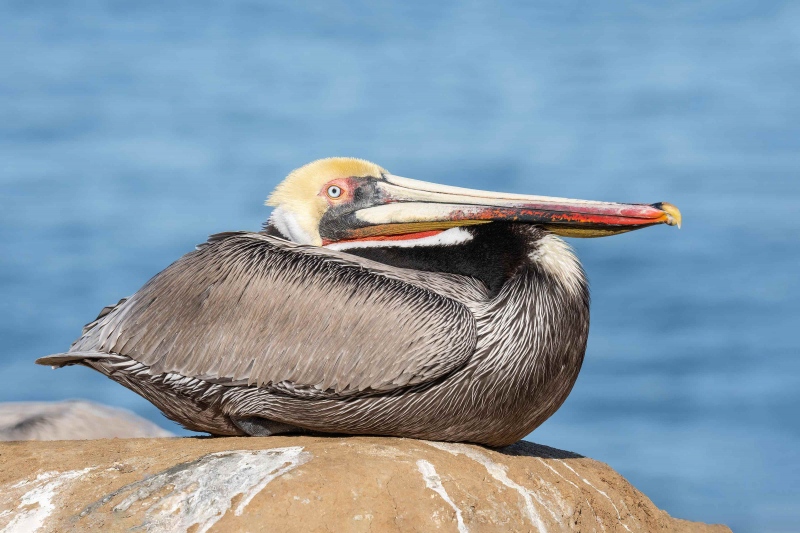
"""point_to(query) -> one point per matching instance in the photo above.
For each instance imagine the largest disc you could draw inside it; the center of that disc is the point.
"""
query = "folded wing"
(252, 309)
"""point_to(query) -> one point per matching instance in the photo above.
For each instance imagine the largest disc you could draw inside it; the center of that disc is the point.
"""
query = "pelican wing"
(249, 308)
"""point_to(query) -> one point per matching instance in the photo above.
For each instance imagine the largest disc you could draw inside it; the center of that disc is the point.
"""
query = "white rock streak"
(37, 503)
(498, 472)
(434, 482)
(202, 490)
(599, 491)
(556, 472)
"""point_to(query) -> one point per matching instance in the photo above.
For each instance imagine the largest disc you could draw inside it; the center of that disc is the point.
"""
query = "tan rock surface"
(70, 420)
(286, 484)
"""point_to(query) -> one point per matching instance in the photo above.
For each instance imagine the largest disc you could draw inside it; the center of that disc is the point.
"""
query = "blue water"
(130, 130)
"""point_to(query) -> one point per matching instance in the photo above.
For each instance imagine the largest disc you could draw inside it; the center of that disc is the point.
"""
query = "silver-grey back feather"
(251, 309)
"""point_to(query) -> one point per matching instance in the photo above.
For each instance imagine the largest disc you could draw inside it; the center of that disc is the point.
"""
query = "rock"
(315, 484)
(70, 420)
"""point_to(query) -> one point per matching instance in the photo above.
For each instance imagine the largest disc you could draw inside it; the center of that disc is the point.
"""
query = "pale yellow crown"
(299, 205)
(304, 183)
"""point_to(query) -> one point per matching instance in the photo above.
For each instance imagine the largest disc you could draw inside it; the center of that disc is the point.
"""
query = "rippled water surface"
(131, 130)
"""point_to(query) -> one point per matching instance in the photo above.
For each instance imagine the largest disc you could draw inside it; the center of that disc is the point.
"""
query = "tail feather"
(58, 360)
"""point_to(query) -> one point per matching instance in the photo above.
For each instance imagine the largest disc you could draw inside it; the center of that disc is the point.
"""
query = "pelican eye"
(334, 191)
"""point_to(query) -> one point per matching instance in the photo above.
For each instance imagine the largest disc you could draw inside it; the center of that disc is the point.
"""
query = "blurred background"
(131, 130)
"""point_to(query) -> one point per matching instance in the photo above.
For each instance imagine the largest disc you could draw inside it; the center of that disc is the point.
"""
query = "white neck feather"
(289, 227)
(557, 258)
(448, 237)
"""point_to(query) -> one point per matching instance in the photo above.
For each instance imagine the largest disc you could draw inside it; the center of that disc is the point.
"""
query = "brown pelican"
(368, 304)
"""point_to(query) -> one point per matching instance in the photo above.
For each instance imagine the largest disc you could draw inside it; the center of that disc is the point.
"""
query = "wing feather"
(250, 308)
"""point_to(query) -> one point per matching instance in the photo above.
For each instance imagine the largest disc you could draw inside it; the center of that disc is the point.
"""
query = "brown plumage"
(475, 336)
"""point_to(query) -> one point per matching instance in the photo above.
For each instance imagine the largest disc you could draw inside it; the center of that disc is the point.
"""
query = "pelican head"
(339, 200)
